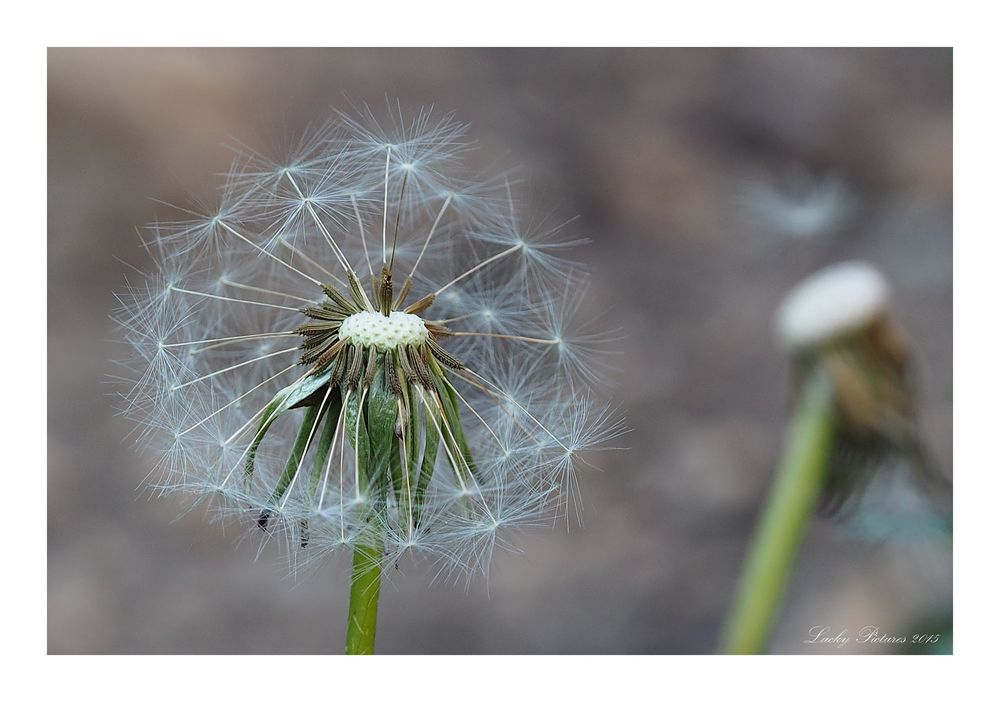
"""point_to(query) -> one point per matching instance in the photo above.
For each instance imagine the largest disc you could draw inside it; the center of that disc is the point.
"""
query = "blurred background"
(710, 181)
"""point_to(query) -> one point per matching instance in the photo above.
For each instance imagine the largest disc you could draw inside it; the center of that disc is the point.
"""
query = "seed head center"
(384, 333)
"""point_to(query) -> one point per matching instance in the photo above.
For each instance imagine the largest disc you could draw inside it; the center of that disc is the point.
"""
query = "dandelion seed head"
(364, 342)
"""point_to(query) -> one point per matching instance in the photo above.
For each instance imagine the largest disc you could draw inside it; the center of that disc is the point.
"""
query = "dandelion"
(362, 348)
(837, 325)
(854, 413)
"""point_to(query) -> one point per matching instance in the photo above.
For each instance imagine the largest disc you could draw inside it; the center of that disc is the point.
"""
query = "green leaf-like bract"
(284, 400)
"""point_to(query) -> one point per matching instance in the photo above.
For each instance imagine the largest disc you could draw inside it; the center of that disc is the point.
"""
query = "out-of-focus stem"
(791, 503)
(366, 583)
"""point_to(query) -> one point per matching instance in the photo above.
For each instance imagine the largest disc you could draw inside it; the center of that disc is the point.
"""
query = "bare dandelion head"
(837, 325)
(363, 338)
(832, 304)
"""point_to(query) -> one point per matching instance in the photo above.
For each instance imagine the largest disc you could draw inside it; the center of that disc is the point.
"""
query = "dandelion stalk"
(792, 502)
(366, 584)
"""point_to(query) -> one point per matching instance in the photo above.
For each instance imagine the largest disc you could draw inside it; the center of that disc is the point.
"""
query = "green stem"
(791, 503)
(366, 582)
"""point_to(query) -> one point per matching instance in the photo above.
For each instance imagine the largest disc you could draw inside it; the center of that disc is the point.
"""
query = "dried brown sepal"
(404, 361)
(318, 351)
(355, 366)
(385, 291)
(403, 292)
(323, 359)
(357, 294)
(318, 340)
(392, 374)
(316, 328)
(437, 329)
(326, 312)
(370, 366)
(421, 304)
(419, 366)
(341, 300)
(339, 368)
(443, 356)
